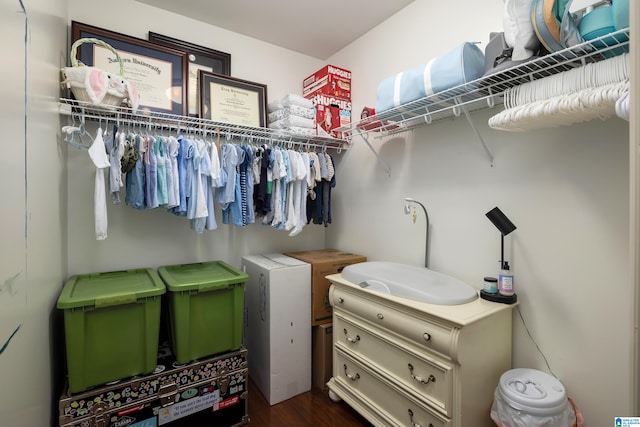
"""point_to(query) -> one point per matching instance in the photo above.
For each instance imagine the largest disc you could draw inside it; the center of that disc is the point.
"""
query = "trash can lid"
(533, 391)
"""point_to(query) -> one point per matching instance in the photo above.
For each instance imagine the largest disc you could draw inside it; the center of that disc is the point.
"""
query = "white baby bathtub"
(411, 282)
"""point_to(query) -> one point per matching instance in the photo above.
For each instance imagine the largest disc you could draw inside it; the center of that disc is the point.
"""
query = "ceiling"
(317, 29)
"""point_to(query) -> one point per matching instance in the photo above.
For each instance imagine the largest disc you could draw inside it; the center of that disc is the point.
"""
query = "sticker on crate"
(137, 416)
(127, 421)
(187, 407)
(226, 403)
(112, 398)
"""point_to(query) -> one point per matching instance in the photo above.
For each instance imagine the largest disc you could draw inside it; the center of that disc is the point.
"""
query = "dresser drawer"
(424, 332)
(390, 402)
(428, 380)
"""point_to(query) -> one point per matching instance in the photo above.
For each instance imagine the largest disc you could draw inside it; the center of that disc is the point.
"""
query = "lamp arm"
(426, 250)
(501, 250)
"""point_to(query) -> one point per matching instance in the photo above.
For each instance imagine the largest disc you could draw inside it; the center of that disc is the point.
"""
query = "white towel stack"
(293, 114)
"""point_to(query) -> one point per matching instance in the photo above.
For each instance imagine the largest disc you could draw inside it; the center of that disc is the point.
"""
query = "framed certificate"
(159, 73)
(233, 101)
(198, 58)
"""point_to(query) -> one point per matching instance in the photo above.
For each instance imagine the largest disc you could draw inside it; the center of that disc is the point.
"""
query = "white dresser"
(404, 363)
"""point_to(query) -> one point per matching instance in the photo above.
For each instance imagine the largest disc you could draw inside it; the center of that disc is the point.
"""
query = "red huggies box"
(331, 113)
(329, 80)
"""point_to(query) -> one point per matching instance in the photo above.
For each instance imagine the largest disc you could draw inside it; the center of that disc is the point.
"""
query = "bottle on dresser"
(505, 280)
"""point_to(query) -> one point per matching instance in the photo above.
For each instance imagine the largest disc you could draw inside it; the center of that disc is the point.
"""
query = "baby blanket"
(461, 65)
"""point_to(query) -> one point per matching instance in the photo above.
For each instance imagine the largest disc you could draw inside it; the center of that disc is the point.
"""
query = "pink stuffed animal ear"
(133, 95)
(95, 84)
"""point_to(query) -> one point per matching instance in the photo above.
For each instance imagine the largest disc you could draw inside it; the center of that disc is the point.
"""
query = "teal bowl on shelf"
(620, 13)
(597, 24)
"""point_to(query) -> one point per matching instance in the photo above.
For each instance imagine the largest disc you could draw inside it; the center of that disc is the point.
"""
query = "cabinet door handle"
(351, 340)
(351, 377)
(431, 378)
(413, 424)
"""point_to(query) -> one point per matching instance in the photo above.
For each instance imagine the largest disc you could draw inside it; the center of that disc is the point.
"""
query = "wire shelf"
(123, 116)
(487, 91)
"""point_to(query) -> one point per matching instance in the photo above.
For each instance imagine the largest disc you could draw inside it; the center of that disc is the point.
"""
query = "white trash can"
(531, 398)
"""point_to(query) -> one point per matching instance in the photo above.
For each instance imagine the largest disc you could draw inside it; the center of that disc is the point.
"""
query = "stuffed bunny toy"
(98, 84)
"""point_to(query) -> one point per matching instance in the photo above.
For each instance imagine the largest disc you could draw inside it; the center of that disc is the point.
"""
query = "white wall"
(565, 189)
(32, 246)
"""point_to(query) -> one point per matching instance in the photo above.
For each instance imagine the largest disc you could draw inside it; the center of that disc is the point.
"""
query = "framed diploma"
(159, 73)
(198, 58)
(233, 101)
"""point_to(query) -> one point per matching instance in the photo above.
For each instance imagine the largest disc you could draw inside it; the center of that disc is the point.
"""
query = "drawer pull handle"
(431, 378)
(415, 424)
(351, 377)
(426, 336)
(351, 340)
(380, 316)
(340, 300)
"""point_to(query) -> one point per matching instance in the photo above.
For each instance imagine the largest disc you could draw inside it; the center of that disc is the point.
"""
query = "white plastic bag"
(505, 415)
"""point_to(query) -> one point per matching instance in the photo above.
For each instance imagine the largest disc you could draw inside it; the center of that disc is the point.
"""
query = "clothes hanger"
(77, 129)
(577, 95)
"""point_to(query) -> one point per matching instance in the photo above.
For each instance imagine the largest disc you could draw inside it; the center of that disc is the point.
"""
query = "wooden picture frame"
(159, 73)
(198, 58)
(233, 101)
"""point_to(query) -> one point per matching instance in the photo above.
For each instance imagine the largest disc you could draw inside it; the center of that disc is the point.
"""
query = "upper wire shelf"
(487, 91)
(183, 124)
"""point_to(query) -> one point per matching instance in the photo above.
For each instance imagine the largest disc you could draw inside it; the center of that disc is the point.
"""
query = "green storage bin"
(205, 302)
(111, 325)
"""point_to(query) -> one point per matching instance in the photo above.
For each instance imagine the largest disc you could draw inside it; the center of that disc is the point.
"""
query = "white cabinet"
(406, 363)
(278, 324)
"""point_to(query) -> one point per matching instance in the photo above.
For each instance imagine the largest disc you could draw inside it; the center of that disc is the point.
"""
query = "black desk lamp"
(505, 226)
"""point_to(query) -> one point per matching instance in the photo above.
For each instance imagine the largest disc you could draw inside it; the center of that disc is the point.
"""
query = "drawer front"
(412, 370)
(390, 402)
(427, 334)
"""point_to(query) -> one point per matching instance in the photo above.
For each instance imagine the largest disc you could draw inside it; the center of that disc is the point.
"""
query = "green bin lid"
(201, 276)
(110, 288)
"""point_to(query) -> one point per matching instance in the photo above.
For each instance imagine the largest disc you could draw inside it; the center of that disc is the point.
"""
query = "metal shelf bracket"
(387, 168)
(478, 135)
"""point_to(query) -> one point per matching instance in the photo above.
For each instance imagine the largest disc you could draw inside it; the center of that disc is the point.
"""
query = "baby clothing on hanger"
(185, 150)
(112, 146)
(197, 210)
(300, 196)
(135, 178)
(99, 157)
(171, 153)
(319, 208)
(188, 175)
(210, 167)
(161, 171)
(229, 160)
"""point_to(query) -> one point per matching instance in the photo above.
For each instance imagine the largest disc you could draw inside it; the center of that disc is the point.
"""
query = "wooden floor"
(313, 409)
